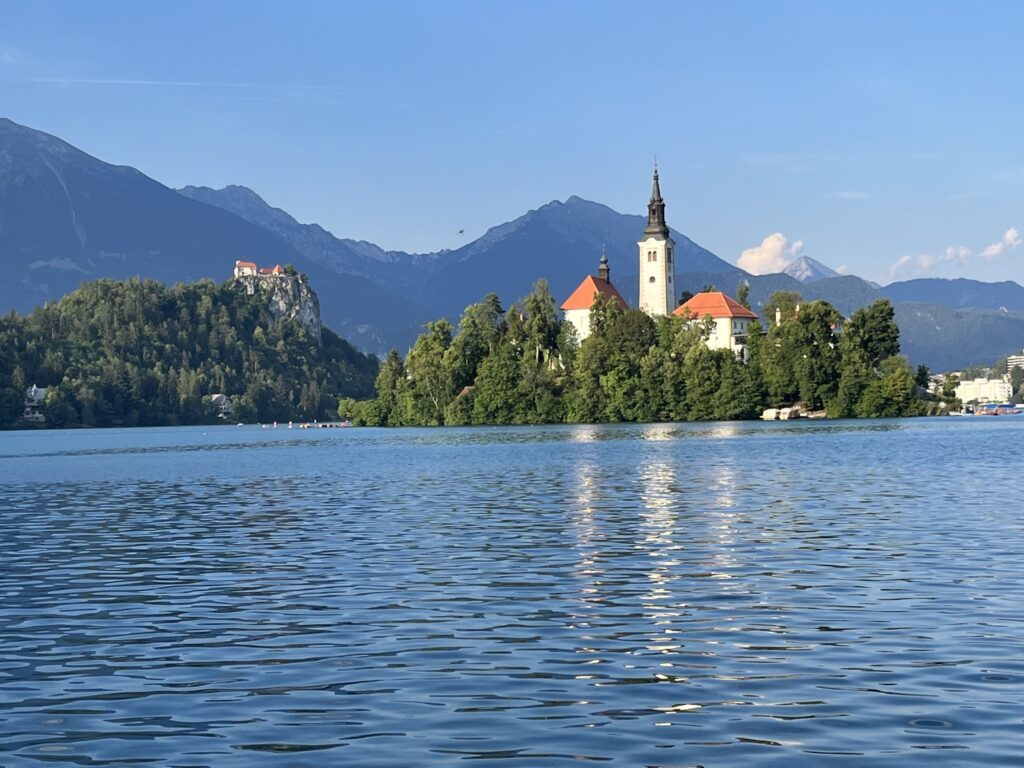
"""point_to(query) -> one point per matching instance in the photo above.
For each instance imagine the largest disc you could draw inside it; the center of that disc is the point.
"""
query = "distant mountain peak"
(807, 270)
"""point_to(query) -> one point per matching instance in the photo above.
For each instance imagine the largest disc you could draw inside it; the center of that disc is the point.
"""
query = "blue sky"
(884, 138)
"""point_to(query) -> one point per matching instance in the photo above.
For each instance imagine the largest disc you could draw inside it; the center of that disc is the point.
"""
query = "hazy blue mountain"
(959, 293)
(559, 241)
(393, 270)
(947, 339)
(807, 270)
(67, 217)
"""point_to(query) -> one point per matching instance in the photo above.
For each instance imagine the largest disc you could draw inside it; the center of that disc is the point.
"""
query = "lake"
(734, 594)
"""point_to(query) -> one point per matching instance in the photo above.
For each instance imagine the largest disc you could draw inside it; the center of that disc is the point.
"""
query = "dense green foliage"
(524, 366)
(141, 353)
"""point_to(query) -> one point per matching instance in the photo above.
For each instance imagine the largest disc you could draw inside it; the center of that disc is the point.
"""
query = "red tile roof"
(714, 303)
(249, 264)
(584, 296)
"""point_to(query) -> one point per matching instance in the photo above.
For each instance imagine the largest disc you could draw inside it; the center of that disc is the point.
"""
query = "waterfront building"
(984, 391)
(577, 306)
(732, 320)
(35, 398)
(657, 258)
(1015, 361)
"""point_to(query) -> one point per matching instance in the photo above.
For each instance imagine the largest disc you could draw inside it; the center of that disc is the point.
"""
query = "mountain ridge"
(66, 217)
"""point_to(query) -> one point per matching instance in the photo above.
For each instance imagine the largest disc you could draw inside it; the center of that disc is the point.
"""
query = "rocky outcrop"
(287, 296)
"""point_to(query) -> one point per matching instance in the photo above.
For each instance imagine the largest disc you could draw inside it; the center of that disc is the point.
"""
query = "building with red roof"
(732, 319)
(243, 268)
(577, 306)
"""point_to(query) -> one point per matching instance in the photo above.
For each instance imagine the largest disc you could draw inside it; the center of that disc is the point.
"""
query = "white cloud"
(954, 254)
(772, 255)
(1010, 239)
(843, 269)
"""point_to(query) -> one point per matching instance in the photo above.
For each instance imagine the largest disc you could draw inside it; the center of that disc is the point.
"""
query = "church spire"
(603, 271)
(656, 210)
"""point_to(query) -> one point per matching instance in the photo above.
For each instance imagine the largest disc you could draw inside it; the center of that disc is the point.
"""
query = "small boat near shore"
(998, 409)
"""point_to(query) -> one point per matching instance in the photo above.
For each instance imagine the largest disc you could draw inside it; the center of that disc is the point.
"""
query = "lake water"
(784, 594)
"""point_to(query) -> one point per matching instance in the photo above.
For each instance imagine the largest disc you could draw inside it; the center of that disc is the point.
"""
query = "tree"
(782, 304)
(892, 393)
(921, 378)
(430, 382)
(703, 380)
(479, 330)
(874, 330)
(743, 294)
(495, 399)
(1017, 383)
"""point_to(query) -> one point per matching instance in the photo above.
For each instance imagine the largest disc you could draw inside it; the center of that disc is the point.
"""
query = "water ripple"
(841, 594)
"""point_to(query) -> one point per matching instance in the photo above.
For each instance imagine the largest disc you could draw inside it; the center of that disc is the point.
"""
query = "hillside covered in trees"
(139, 352)
(525, 366)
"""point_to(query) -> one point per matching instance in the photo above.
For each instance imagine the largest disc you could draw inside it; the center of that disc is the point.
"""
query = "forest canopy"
(137, 352)
(526, 366)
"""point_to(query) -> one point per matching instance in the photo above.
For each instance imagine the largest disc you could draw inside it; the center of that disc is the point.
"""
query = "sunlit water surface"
(841, 594)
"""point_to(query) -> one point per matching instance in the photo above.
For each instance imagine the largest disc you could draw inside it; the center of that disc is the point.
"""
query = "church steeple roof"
(656, 210)
(602, 268)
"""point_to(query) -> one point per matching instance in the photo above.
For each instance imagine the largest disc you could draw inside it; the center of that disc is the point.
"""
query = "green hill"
(139, 352)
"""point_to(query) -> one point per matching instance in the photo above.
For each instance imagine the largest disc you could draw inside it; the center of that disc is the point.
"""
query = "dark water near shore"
(841, 594)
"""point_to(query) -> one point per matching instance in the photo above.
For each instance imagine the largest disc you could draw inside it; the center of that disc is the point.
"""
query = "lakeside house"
(223, 405)
(35, 399)
(984, 391)
(657, 288)
(732, 320)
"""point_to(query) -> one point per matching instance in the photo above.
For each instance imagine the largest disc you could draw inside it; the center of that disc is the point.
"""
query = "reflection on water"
(780, 594)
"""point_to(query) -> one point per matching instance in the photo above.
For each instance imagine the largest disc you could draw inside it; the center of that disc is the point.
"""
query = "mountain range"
(66, 217)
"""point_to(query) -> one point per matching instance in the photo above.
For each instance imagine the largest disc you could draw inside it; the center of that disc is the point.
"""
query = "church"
(657, 288)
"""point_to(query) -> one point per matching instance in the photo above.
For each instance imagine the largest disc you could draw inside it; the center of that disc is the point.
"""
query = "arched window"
(651, 279)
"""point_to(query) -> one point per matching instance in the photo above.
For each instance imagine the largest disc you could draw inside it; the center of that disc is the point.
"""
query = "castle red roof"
(249, 264)
(275, 270)
(714, 303)
(584, 296)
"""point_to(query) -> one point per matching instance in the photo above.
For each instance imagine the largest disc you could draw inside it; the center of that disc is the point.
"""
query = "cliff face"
(287, 296)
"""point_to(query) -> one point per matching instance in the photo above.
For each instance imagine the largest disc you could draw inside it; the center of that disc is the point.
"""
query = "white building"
(1015, 361)
(657, 264)
(245, 268)
(223, 405)
(577, 306)
(732, 319)
(35, 398)
(984, 391)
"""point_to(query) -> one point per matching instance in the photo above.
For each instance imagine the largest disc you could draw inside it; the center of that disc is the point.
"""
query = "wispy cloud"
(9, 55)
(772, 255)
(187, 84)
(847, 195)
(954, 254)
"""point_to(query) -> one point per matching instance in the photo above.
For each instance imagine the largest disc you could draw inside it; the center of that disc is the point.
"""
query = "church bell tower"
(657, 265)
